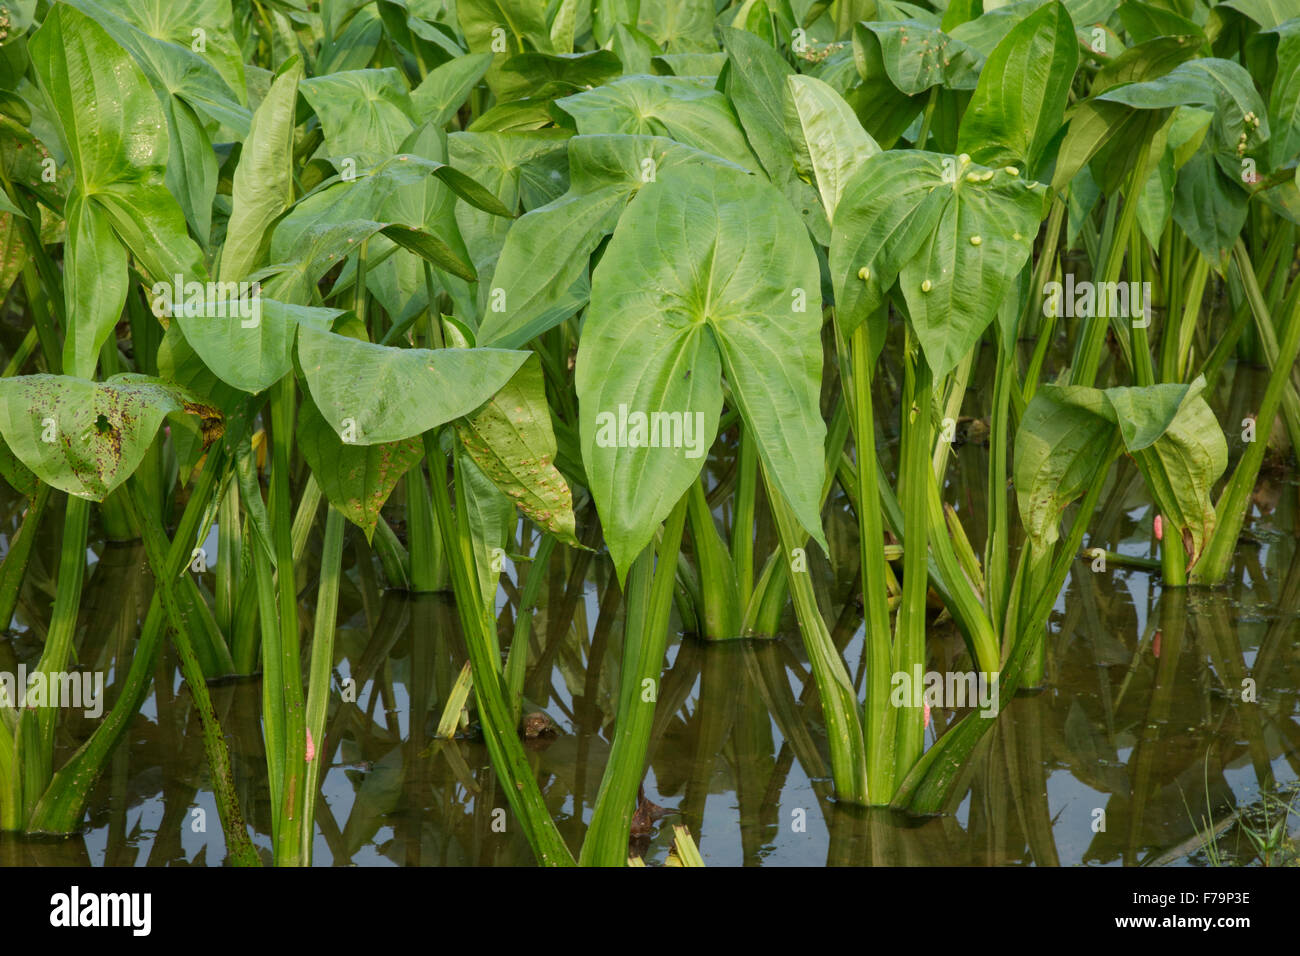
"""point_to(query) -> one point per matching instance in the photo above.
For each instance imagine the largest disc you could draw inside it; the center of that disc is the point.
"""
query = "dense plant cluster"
(480, 282)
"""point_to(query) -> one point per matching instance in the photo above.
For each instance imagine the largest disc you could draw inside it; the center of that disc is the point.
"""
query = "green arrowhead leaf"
(829, 143)
(1060, 450)
(966, 279)
(545, 253)
(1267, 13)
(86, 438)
(173, 24)
(1095, 123)
(707, 272)
(630, 161)
(1284, 102)
(371, 394)
(357, 479)
(248, 343)
(115, 134)
(1181, 468)
(915, 56)
(1143, 21)
(677, 107)
(681, 25)
(1221, 85)
(1168, 429)
(956, 234)
(524, 22)
(263, 180)
(212, 82)
(756, 84)
(1209, 208)
(553, 74)
(526, 169)
(883, 217)
(1023, 88)
(445, 89)
(364, 114)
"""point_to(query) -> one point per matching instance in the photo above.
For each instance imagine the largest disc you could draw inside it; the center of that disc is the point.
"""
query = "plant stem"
(63, 804)
(997, 546)
(229, 547)
(1088, 352)
(834, 687)
(288, 836)
(914, 477)
(322, 663)
(645, 641)
(517, 656)
(1230, 512)
(742, 522)
(156, 545)
(1268, 340)
(35, 741)
(504, 748)
(428, 571)
(879, 734)
(928, 116)
(718, 589)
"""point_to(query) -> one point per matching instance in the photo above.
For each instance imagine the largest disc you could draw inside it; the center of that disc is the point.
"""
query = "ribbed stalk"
(63, 804)
(322, 663)
(834, 687)
(288, 836)
(1045, 329)
(229, 548)
(997, 546)
(1143, 365)
(35, 740)
(742, 521)
(506, 752)
(914, 477)
(1177, 346)
(719, 591)
(238, 845)
(645, 641)
(880, 740)
(982, 638)
(272, 702)
(1087, 358)
(1230, 512)
(428, 570)
(517, 656)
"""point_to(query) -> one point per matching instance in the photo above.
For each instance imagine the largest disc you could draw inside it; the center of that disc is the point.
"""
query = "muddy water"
(1139, 738)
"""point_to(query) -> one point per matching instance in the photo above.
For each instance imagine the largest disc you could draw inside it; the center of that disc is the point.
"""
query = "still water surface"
(1139, 738)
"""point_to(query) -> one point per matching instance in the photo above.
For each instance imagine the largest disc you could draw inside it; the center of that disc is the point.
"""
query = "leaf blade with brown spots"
(511, 440)
(86, 438)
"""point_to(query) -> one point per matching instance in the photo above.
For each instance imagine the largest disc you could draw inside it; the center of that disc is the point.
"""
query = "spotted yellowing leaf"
(86, 438)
